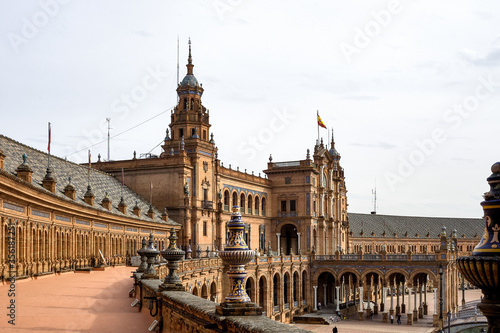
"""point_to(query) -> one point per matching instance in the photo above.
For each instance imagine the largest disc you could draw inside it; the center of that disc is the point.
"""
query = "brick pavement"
(75, 302)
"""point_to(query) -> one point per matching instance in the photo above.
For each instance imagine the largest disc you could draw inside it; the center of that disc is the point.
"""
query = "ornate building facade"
(310, 250)
(64, 216)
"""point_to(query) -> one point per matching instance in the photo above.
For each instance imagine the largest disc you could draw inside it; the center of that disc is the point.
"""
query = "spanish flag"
(320, 122)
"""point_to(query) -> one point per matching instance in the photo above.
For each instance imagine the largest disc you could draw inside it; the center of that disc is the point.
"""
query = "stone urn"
(150, 253)
(236, 254)
(143, 265)
(482, 268)
(172, 255)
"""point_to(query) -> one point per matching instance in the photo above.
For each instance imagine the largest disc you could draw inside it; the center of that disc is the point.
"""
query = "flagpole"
(151, 193)
(48, 148)
(88, 172)
(123, 183)
(317, 123)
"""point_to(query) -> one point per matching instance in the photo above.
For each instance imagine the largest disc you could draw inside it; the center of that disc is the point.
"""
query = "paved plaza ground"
(99, 302)
(376, 325)
(75, 302)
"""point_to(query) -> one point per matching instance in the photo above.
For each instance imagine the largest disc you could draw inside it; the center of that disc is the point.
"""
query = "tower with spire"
(189, 118)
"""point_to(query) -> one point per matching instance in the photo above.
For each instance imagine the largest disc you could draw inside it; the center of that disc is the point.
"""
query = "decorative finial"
(25, 158)
(99, 158)
(270, 158)
(308, 155)
(190, 60)
(167, 137)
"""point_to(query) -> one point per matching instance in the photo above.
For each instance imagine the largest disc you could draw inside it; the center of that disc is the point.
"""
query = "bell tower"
(189, 119)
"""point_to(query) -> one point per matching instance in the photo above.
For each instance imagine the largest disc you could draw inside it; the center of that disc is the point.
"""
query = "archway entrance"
(289, 239)
(326, 289)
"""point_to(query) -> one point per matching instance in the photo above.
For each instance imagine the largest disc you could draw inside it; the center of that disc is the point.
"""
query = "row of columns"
(48, 248)
(419, 307)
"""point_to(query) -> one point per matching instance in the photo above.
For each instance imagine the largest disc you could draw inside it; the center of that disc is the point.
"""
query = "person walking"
(335, 330)
(399, 319)
(392, 319)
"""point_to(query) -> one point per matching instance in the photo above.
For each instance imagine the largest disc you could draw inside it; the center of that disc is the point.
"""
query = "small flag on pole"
(48, 146)
(320, 122)
(151, 193)
(88, 171)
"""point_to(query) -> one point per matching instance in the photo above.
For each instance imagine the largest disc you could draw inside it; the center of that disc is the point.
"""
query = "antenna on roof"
(374, 192)
(177, 59)
(108, 120)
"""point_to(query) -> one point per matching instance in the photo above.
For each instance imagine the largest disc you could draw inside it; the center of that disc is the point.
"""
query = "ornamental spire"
(332, 143)
(190, 60)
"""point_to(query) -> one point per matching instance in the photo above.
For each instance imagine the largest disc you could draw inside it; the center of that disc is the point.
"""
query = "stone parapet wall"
(182, 312)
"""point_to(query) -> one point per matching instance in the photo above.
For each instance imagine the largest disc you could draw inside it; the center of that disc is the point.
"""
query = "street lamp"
(449, 320)
(463, 290)
(441, 294)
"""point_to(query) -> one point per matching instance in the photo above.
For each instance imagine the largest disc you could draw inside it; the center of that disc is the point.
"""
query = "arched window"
(285, 288)
(185, 103)
(250, 204)
(263, 210)
(235, 199)
(226, 200)
(276, 290)
(256, 205)
(242, 203)
(191, 105)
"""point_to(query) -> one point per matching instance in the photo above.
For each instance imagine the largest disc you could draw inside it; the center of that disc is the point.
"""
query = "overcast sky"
(411, 88)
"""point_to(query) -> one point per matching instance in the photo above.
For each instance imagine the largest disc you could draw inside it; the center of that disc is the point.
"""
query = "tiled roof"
(100, 182)
(413, 225)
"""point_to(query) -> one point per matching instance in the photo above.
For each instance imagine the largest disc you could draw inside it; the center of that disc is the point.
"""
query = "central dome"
(189, 81)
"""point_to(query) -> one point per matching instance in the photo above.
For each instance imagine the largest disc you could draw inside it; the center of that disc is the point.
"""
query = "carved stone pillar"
(338, 296)
(298, 243)
(315, 289)
(278, 238)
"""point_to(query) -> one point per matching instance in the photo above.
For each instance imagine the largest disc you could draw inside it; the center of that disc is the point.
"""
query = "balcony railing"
(287, 306)
(324, 257)
(287, 164)
(423, 257)
(208, 204)
(396, 257)
(369, 256)
(349, 257)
